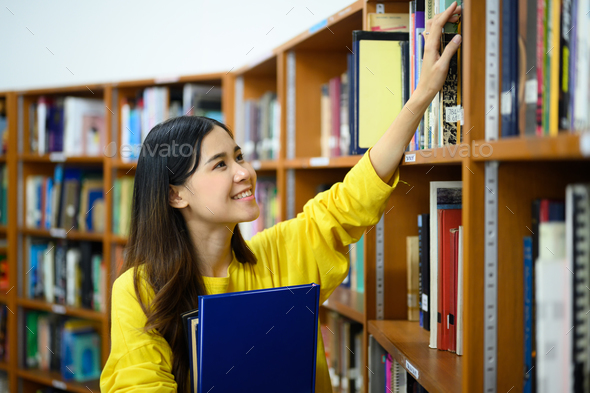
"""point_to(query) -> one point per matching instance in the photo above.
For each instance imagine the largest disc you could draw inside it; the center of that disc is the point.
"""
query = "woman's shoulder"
(125, 283)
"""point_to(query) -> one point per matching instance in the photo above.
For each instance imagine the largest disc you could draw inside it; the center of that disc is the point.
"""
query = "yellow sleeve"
(312, 246)
(138, 360)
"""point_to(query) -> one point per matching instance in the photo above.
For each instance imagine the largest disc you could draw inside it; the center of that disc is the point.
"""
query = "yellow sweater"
(308, 248)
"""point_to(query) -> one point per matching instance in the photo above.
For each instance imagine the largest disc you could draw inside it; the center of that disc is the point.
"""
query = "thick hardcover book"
(377, 85)
(267, 338)
(578, 259)
(424, 244)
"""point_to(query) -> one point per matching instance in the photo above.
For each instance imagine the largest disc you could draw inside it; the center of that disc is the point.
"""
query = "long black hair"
(160, 246)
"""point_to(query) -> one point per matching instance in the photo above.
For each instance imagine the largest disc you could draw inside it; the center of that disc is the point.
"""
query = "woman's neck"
(213, 246)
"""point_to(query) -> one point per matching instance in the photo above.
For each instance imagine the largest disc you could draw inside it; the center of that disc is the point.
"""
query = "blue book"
(528, 313)
(255, 341)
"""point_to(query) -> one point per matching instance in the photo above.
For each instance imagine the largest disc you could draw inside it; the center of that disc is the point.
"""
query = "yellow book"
(413, 268)
(380, 88)
(555, 47)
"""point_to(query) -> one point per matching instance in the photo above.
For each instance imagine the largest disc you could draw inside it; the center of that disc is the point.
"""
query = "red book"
(334, 91)
(447, 220)
(452, 314)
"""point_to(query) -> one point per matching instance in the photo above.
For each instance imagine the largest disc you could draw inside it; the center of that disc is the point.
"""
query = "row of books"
(545, 78)
(335, 119)
(153, 105)
(72, 199)
(262, 120)
(3, 128)
(398, 380)
(266, 197)
(556, 296)
(4, 282)
(442, 120)
(343, 347)
(66, 273)
(387, 375)
(355, 280)
(73, 126)
(435, 268)
(122, 201)
(3, 195)
(4, 347)
(71, 347)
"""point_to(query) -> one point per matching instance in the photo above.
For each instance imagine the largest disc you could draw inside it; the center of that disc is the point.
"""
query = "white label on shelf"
(531, 91)
(167, 79)
(412, 370)
(59, 384)
(425, 302)
(256, 164)
(58, 232)
(585, 143)
(506, 103)
(410, 158)
(319, 161)
(453, 114)
(412, 299)
(57, 156)
(58, 308)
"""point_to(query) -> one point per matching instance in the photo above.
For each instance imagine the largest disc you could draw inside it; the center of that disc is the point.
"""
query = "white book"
(41, 126)
(582, 91)
(125, 131)
(48, 272)
(73, 281)
(435, 186)
(84, 131)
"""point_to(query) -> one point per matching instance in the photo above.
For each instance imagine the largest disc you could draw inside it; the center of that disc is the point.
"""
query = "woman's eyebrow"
(220, 155)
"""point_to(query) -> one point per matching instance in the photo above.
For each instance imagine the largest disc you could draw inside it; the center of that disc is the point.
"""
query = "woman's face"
(215, 192)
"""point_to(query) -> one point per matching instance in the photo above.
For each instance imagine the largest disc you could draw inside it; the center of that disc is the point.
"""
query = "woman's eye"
(240, 157)
(218, 165)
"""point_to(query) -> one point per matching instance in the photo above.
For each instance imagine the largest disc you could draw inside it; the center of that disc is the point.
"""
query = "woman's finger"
(451, 49)
(438, 22)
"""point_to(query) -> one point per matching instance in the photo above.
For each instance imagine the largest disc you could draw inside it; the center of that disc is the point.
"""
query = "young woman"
(192, 187)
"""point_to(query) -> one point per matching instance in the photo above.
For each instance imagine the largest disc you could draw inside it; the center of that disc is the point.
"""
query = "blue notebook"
(255, 341)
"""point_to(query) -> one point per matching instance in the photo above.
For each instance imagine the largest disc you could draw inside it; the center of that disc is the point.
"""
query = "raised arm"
(387, 152)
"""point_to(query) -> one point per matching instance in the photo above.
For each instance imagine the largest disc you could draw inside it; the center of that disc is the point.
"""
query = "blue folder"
(255, 341)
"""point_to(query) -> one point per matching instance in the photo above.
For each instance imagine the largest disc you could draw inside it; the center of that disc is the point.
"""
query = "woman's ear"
(175, 198)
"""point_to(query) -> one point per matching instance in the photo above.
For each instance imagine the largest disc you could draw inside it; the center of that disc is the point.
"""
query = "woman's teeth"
(243, 195)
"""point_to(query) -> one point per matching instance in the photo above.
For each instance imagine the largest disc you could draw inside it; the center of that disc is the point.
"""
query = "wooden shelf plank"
(52, 378)
(2, 229)
(118, 239)
(2, 158)
(265, 64)
(61, 309)
(59, 233)
(264, 165)
(438, 371)
(322, 162)
(60, 158)
(4, 366)
(335, 28)
(124, 165)
(172, 79)
(564, 146)
(348, 303)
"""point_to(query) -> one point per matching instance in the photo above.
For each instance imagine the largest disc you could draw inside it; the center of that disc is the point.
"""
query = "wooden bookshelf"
(41, 305)
(407, 342)
(530, 167)
(52, 378)
(62, 233)
(347, 302)
(564, 146)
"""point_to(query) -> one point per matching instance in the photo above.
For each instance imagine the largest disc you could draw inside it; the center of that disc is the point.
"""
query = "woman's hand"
(434, 65)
